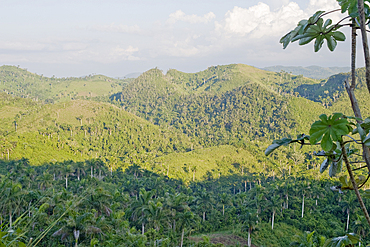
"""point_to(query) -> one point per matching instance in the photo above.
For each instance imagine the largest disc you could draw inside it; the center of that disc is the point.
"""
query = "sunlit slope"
(80, 130)
(21, 83)
(206, 163)
(315, 72)
(244, 103)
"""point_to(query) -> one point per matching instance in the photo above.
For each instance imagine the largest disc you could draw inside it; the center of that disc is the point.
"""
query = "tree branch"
(352, 178)
(361, 11)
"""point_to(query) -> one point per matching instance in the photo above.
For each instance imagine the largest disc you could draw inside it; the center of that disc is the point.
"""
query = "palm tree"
(66, 169)
(99, 199)
(176, 203)
(224, 199)
(186, 219)
(249, 220)
(11, 198)
(45, 180)
(79, 168)
(348, 240)
(155, 214)
(204, 202)
(274, 204)
(75, 225)
(140, 206)
(307, 240)
(360, 226)
(347, 205)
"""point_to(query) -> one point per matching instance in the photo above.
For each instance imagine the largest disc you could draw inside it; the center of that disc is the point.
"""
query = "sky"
(118, 37)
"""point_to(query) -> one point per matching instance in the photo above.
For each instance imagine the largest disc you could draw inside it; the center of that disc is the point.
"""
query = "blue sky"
(115, 38)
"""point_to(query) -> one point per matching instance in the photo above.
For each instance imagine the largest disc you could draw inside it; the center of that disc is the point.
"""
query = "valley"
(169, 159)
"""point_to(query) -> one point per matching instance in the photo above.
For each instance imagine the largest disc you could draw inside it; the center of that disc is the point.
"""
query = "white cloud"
(260, 21)
(120, 28)
(22, 46)
(119, 53)
(259, 18)
(193, 19)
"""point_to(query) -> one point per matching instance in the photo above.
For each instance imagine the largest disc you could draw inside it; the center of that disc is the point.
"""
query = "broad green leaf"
(327, 23)
(342, 241)
(302, 24)
(366, 125)
(285, 40)
(320, 23)
(344, 5)
(366, 193)
(331, 42)
(361, 131)
(276, 144)
(353, 237)
(302, 36)
(366, 141)
(305, 41)
(335, 168)
(326, 142)
(318, 43)
(324, 165)
(339, 36)
(21, 244)
(313, 19)
(345, 184)
(329, 129)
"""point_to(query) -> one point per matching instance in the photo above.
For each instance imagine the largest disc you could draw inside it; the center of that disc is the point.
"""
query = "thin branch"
(350, 142)
(352, 139)
(357, 155)
(352, 178)
(364, 182)
(362, 167)
(330, 12)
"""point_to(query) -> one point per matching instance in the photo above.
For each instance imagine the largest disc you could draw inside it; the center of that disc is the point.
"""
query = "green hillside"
(80, 130)
(239, 103)
(172, 158)
(21, 83)
(315, 72)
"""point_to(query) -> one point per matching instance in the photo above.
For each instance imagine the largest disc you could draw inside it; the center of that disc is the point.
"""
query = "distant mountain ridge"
(315, 72)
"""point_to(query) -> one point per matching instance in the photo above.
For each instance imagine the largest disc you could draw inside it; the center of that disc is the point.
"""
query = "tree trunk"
(204, 216)
(223, 209)
(347, 219)
(273, 218)
(287, 201)
(249, 237)
(365, 45)
(10, 219)
(66, 181)
(352, 178)
(142, 228)
(182, 236)
(350, 88)
(303, 206)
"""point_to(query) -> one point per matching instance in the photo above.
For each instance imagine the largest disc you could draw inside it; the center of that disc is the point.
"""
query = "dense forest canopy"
(164, 158)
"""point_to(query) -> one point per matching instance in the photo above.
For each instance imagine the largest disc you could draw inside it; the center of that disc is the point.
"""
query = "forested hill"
(221, 105)
(315, 72)
(168, 149)
(80, 130)
(19, 82)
